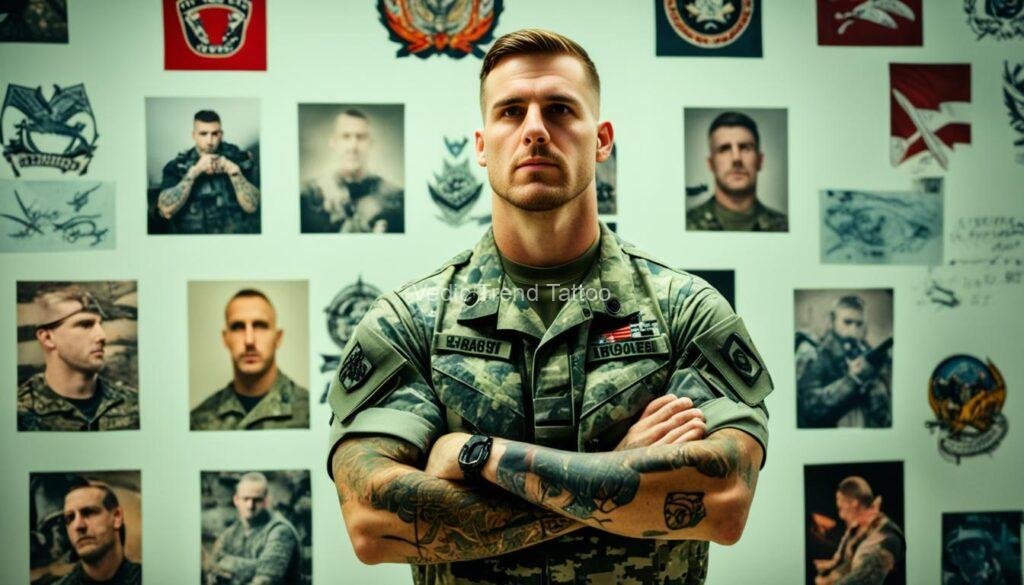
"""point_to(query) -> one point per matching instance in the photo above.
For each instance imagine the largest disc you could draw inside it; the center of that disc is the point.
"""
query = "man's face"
(971, 557)
(79, 341)
(92, 529)
(207, 136)
(849, 509)
(541, 139)
(251, 334)
(351, 142)
(848, 323)
(734, 160)
(250, 498)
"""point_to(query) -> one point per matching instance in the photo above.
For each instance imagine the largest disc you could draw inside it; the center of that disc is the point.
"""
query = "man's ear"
(478, 144)
(45, 338)
(605, 140)
(118, 518)
(278, 338)
(760, 160)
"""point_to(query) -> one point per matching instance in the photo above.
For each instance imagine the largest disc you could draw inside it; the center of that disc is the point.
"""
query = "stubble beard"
(551, 197)
(97, 554)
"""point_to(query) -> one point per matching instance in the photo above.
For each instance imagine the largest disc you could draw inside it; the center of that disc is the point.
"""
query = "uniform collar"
(280, 404)
(51, 402)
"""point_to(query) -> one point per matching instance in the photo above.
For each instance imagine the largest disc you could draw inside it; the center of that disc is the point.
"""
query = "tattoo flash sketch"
(879, 227)
(967, 395)
(1002, 19)
(456, 189)
(55, 216)
(59, 131)
(1013, 97)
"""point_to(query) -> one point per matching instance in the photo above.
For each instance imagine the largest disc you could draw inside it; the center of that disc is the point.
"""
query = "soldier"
(70, 394)
(262, 548)
(974, 558)
(872, 548)
(836, 384)
(474, 419)
(350, 198)
(211, 188)
(734, 159)
(95, 524)
(260, 396)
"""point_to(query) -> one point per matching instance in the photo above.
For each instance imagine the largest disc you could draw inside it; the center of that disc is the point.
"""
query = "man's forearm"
(824, 405)
(699, 490)
(397, 513)
(173, 198)
(247, 194)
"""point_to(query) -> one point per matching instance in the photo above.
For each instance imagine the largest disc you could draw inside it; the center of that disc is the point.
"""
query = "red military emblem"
(429, 27)
(215, 34)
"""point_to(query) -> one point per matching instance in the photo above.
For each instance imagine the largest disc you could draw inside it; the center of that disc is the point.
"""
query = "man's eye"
(559, 109)
(512, 112)
(237, 327)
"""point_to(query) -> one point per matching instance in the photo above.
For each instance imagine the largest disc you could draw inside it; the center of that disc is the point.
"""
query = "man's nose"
(734, 152)
(534, 129)
(250, 335)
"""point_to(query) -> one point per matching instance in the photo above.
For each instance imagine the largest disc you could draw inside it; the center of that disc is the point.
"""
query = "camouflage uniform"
(766, 219)
(388, 205)
(858, 546)
(128, 573)
(40, 408)
(268, 549)
(212, 207)
(449, 353)
(827, 397)
(284, 406)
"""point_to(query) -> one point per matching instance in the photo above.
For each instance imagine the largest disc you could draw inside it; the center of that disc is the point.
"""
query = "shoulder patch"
(727, 347)
(354, 369)
(368, 364)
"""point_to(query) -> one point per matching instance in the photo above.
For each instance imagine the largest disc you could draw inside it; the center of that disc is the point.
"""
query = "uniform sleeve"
(272, 563)
(382, 386)
(718, 365)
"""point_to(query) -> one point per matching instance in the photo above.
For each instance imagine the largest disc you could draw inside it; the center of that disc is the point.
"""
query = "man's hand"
(207, 164)
(860, 369)
(224, 165)
(667, 420)
(443, 462)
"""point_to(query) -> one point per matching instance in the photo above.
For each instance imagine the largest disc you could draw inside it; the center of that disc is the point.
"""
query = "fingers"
(692, 430)
(667, 406)
(674, 422)
(657, 403)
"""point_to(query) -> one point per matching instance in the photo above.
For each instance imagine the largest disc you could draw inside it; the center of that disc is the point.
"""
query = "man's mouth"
(536, 163)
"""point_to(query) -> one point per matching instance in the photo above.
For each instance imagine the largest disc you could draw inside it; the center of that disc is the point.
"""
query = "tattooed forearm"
(173, 198)
(872, 569)
(247, 194)
(436, 520)
(684, 509)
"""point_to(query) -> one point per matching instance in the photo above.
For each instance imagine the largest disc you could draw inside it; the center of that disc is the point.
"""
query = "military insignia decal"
(684, 509)
(722, 28)
(354, 369)
(870, 22)
(928, 111)
(1013, 97)
(456, 189)
(215, 34)
(640, 330)
(440, 27)
(343, 314)
(742, 360)
(1002, 19)
(967, 395)
(58, 132)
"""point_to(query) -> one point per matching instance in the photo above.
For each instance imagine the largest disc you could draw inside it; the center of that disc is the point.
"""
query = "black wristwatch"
(474, 455)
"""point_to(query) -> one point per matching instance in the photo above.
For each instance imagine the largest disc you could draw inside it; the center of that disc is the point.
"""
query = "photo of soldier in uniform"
(202, 162)
(737, 176)
(843, 349)
(34, 21)
(352, 168)
(85, 527)
(981, 548)
(854, 518)
(256, 527)
(77, 356)
(249, 320)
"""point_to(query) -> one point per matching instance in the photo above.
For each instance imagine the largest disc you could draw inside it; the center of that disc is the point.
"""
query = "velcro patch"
(473, 345)
(743, 361)
(355, 369)
(727, 348)
(627, 348)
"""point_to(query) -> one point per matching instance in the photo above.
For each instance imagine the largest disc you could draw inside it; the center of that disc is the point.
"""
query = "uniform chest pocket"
(485, 392)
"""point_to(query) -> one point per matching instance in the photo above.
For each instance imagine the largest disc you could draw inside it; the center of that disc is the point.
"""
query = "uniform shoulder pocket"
(368, 366)
(727, 347)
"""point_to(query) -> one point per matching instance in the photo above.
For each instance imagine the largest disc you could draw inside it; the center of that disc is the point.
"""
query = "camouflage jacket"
(128, 573)
(828, 398)
(766, 219)
(268, 550)
(387, 204)
(212, 207)
(460, 351)
(40, 408)
(285, 406)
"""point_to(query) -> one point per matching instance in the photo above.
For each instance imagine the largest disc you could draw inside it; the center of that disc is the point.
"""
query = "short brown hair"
(536, 41)
(857, 488)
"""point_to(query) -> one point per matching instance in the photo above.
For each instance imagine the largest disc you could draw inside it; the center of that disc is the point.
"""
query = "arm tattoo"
(447, 522)
(247, 194)
(872, 569)
(173, 198)
(684, 509)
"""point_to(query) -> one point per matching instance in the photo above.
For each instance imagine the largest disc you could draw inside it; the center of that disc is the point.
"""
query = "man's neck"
(352, 177)
(104, 568)
(546, 238)
(736, 202)
(255, 385)
(69, 382)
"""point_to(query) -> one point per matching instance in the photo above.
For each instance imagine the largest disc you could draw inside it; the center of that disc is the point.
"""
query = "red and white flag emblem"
(870, 22)
(928, 111)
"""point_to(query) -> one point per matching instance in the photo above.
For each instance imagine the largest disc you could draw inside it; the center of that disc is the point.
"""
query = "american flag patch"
(631, 331)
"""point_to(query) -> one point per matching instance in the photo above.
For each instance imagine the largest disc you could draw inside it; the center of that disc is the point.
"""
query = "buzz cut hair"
(253, 477)
(736, 119)
(536, 41)
(857, 488)
(208, 116)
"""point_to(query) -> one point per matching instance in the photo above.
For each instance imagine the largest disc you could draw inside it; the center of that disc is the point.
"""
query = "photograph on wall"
(724, 282)
(341, 316)
(737, 169)
(83, 524)
(456, 186)
(843, 358)
(1001, 20)
(77, 356)
(257, 527)
(719, 28)
(607, 194)
(56, 216)
(202, 165)
(215, 34)
(248, 355)
(853, 515)
(928, 113)
(52, 128)
(883, 227)
(966, 396)
(34, 21)
(877, 23)
(352, 168)
(981, 547)
(425, 28)
(1013, 97)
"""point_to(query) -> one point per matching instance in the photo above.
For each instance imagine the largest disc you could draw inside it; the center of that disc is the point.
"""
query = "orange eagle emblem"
(434, 27)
